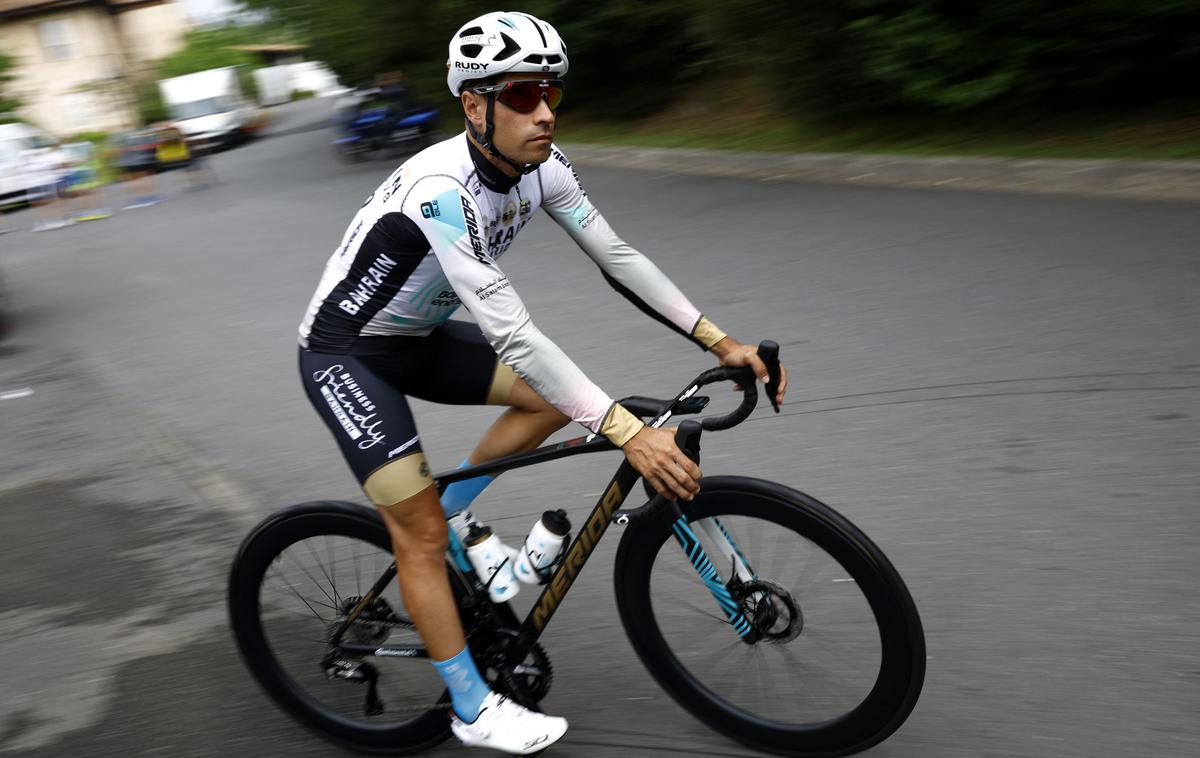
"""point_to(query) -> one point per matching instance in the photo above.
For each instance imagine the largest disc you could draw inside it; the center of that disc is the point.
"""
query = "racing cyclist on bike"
(377, 330)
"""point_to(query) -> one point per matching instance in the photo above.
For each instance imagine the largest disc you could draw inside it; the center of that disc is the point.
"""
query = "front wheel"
(772, 619)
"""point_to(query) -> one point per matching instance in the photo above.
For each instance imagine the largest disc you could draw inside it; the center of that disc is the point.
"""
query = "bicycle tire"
(901, 645)
(263, 546)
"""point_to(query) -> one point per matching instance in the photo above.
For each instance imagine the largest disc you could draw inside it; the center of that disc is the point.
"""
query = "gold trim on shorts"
(707, 332)
(619, 425)
(398, 480)
(502, 384)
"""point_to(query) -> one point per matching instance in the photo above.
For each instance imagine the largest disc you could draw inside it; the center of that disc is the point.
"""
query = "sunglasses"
(523, 95)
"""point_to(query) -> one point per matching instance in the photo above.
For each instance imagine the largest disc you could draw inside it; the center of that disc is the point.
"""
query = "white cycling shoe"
(504, 725)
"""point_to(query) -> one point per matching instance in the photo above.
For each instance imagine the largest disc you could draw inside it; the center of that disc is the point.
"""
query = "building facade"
(77, 61)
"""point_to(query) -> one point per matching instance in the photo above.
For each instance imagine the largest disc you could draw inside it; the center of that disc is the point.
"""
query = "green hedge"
(825, 57)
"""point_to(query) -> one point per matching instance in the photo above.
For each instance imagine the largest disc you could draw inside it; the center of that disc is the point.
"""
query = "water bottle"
(461, 523)
(542, 546)
(491, 562)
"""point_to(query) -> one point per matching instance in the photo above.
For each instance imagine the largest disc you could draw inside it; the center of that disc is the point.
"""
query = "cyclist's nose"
(542, 113)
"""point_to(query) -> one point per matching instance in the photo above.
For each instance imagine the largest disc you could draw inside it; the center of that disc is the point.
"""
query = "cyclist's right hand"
(659, 460)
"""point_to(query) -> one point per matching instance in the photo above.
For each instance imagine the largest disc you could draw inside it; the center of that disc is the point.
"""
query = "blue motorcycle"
(382, 128)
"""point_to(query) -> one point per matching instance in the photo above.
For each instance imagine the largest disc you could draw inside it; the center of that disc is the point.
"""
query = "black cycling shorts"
(361, 397)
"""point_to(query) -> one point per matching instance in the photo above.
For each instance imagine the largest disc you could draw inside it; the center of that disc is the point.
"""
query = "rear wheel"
(293, 581)
(836, 659)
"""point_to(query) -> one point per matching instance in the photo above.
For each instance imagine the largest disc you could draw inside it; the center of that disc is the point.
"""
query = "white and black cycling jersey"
(429, 239)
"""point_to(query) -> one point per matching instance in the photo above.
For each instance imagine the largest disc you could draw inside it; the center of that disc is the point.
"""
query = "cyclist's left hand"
(735, 354)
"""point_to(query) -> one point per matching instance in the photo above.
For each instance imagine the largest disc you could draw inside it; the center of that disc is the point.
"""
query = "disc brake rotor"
(770, 609)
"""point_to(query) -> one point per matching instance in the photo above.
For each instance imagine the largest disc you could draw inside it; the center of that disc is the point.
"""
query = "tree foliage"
(8, 105)
(215, 48)
(630, 57)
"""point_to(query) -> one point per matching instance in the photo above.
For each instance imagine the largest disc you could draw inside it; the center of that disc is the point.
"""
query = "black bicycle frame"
(598, 521)
(577, 554)
(581, 547)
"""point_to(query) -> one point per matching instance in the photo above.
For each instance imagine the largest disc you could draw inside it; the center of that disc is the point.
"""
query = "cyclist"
(428, 240)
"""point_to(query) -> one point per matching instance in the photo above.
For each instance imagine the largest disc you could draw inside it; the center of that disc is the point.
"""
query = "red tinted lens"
(524, 96)
(554, 96)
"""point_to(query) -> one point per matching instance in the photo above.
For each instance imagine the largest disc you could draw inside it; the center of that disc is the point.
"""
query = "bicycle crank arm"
(357, 650)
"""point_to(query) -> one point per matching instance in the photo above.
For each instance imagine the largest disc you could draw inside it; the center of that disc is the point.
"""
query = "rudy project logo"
(470, 66)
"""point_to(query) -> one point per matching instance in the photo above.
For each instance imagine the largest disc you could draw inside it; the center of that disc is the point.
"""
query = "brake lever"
(687, 438)
(768, 351)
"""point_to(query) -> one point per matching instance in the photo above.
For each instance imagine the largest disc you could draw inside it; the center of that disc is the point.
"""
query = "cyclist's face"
(523, 137)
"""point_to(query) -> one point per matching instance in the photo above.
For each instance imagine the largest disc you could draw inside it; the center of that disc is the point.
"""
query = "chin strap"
(485, 139)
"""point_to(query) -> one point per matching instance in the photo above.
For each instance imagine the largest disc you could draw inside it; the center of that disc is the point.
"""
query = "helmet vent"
(553, 59)
(471, 51)
(472, 30)
(534, 59)
(511, 48)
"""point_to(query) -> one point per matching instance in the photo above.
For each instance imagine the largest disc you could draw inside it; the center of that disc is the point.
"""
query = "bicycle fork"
(692, 547)
(688, 439)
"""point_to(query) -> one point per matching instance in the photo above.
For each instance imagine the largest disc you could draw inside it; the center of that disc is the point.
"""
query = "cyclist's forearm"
(644, 284)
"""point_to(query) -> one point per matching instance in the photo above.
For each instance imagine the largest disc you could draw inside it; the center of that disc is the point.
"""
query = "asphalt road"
(1000, 389)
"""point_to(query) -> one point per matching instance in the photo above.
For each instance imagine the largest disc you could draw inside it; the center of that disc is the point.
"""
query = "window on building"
(58, 44)
(83, 110)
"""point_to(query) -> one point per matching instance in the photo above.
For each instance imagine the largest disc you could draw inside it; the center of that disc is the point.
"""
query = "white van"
(19, 184)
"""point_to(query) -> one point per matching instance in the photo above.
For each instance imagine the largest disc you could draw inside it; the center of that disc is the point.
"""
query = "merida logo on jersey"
(473, 230)
(368, 284)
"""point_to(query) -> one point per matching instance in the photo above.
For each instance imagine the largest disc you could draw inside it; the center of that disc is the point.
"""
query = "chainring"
(492, 649)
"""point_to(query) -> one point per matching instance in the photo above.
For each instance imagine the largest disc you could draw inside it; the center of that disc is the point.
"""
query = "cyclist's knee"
(417, 525)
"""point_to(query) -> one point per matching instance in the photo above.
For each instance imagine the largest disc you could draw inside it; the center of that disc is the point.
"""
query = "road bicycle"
(763, 612)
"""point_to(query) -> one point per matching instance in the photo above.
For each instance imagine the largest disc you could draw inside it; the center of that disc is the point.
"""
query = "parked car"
(135, 151)
(152, 148)
(210, 108)
(19, 184)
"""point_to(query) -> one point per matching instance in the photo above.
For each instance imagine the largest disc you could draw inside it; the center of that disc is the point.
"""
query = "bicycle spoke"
(315, 583)
(305, 600)
(821, 674)
(311, 551)
(357, 573)
(332, 569)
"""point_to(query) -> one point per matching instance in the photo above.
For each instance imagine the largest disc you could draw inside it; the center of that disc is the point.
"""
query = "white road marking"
(16, 394)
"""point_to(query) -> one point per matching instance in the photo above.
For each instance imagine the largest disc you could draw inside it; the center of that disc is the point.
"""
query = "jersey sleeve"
(449, 217)
(628, 271)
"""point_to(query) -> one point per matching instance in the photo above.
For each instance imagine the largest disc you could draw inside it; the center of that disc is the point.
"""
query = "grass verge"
(746, 126)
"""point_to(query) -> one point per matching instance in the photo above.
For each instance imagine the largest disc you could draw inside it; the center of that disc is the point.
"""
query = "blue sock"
(467, 688)
(457, 496)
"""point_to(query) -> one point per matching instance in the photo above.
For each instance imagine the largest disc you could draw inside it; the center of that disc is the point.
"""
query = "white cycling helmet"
(503, 42)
